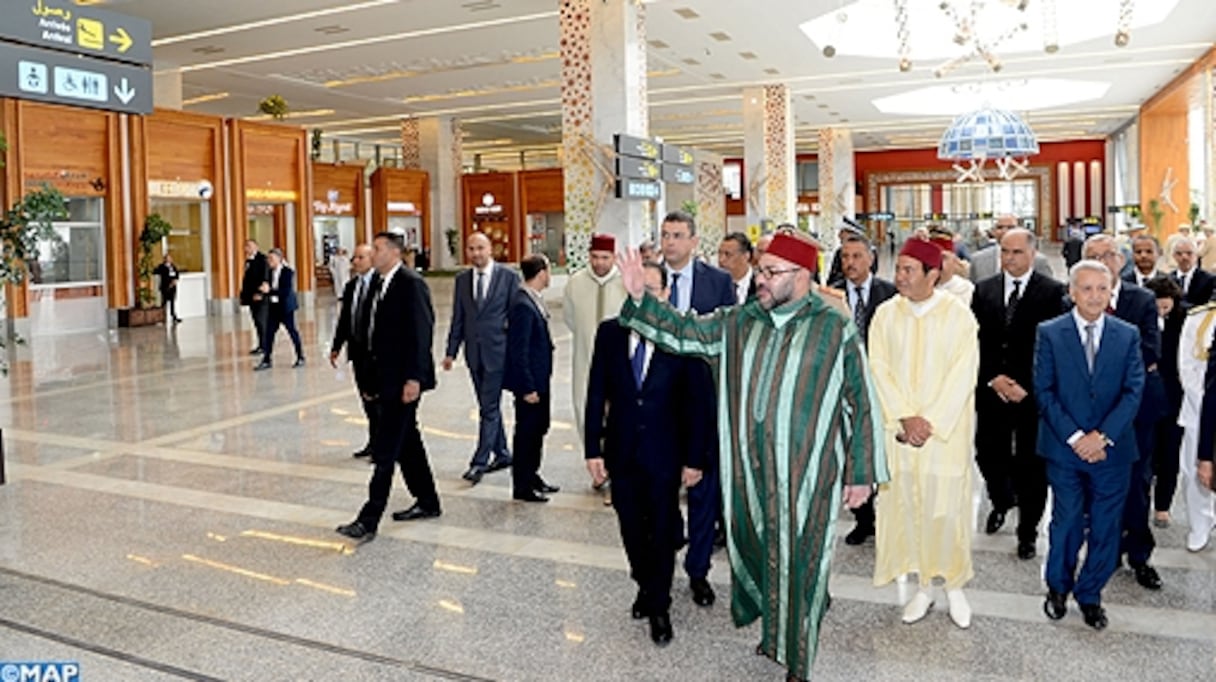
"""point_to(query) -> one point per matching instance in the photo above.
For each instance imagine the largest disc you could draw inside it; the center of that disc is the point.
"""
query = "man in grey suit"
(480, 304)
(986, 262)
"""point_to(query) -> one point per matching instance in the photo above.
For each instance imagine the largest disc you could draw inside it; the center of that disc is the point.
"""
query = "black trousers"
(287, 318)
(398, 443)
(1005, 441)
(258, 312)
(372, 410)
(528, 442)
(648, 510)
(1165, 462)
(1138, 541)
(169, 296)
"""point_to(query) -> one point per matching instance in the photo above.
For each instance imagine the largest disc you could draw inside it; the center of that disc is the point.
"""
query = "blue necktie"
(639, 363)
(675, 289)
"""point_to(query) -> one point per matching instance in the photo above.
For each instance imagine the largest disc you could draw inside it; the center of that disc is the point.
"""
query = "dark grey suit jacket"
(482, 329)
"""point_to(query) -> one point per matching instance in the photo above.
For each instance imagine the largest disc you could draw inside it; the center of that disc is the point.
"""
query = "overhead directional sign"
(638, 190)
(86, 30)
(678, 175)
(629, 167)
(59, 78)
(638, 147)
(674, 154)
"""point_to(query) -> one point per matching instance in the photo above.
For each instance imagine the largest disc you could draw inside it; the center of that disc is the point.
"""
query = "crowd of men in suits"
(1086, 387)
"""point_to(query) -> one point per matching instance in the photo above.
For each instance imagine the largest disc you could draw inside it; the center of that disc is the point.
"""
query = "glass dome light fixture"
(988, 133)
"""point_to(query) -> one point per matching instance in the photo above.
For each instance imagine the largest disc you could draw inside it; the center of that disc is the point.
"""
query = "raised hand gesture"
(633, 276)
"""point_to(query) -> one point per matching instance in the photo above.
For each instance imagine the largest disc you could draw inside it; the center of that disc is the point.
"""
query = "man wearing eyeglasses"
(1138, 307)
(795, 404)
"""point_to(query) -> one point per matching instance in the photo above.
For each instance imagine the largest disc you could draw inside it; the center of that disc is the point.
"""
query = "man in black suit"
(1138, 307)
(1074, 242)
(1146, 253)
(168, 275)
(350, 334)
(481, 298)
(255, 276)
(643, 433)
(529, 369)
(836, 276)
(400, 323)
(1009, 307)
(280, 293)
(693, 285)
(864, 292)
(1196, 283)
(735, 257)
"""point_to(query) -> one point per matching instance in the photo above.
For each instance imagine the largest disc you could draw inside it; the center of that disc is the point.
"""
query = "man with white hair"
(1196, 284)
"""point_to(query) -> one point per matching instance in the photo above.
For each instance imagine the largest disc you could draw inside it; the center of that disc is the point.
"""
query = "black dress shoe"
(702, 593)
(1147, 577)
(660, 629)
(498, 465)
(474, 474)
(365, 452)
(298, 363)
(1056, 605)
(414, 513)
(720, 537)
(1025, 550)
(256, 351)
(996, 519)
(547, 488)
(859, 534)
(356, 531)
(265, 364)
(529, 496)
(1095, 616)
(639, 606)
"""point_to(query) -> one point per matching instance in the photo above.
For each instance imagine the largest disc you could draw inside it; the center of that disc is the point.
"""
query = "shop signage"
(70, 27)
(678, 175)
(676, 155)
(488, 206)
(878, 215)
(271, 195)
(71, 183)
(638, 147)
(402, 207)
(178, 189)
(629, 167)
(638, 190)
(48, 76)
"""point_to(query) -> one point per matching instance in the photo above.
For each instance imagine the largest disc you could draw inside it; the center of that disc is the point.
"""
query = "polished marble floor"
(169, 515)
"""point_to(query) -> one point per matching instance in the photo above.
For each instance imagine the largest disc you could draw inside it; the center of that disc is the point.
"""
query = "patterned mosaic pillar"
(411, 144)
(710, 195)
(440, 153)
(837, 183)
(603, 51)
(768, 156)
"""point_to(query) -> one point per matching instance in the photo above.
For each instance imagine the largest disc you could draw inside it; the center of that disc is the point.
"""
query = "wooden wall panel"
(346, 179)
(542, 191)
(1164, 155)
(401, 185)
(10, 190)
(507, 228)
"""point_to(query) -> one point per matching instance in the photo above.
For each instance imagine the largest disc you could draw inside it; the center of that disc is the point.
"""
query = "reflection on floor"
(169, 515)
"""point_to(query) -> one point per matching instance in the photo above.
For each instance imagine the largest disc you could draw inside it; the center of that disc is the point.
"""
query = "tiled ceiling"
(354, 68)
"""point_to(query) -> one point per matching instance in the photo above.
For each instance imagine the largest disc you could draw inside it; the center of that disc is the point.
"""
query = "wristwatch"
(1109, 443)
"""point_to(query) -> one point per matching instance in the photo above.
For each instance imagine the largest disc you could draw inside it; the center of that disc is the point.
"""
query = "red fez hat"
(924, 252)
(797, 251)
(943, 243)
(603, 242)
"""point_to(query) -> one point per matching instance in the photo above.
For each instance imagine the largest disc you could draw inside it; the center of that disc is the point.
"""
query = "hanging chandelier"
(987, 134)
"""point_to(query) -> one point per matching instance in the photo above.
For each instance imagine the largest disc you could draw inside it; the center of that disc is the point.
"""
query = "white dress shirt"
(634, 338)
(864, 288)
(742, 286)
(1010, 279)
(684, 289)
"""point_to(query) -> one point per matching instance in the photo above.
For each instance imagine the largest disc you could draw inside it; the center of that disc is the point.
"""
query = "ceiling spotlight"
(829, 51)
(1122, 38)
(905, 65)
(1051, 48)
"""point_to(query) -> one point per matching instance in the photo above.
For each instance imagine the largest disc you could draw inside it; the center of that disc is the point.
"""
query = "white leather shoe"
(960, 610)
(917, 607)
(1197, 542)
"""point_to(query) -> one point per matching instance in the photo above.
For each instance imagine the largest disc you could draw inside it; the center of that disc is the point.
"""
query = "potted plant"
(1192, 215)
(274, 106)
(146, 312)
(451, 233)
(1156, 214)
(315, 144)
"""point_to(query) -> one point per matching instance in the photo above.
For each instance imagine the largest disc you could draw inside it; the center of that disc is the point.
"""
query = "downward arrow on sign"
(124, 92)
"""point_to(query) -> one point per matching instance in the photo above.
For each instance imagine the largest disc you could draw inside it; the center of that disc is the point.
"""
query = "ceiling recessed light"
(692, 62)
(332, 29)
(687, 13)
(720, 36)
(717, 76)
(658, 44)
(771, 71)
(748, 55)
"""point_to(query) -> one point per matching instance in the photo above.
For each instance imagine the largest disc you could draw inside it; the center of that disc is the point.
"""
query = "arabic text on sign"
(402, 207)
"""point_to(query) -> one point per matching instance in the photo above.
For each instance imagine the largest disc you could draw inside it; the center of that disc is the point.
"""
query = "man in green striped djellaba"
(797, 417)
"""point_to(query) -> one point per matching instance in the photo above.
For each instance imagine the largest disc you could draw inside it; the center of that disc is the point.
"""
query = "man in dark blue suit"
(1088, 380)
(1138, 307)
(529, 369)
(280, 292)
(644, 433)
(693, 285)
(481, 299)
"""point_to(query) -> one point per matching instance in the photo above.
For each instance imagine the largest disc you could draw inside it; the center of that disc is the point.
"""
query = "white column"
(603, 50)
(838, 183)
(434, 144)
(768, 156)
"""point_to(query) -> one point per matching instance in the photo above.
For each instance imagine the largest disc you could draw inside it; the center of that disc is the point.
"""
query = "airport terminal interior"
(167, 512)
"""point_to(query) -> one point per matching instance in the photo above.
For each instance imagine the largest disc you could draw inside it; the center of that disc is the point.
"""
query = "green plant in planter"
(1192, 214)
(315, 143)
(28, 222)
(155, 230)
(1156, 215)
(274, 106)
(451, 233)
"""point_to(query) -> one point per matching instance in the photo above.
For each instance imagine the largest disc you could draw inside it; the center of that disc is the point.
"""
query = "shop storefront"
(337, 214)
(401, 200)
(491, 207)
(541, 196)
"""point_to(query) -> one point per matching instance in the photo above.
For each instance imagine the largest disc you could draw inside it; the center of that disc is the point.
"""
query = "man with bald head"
(987, 261)
(796, 403)
(481, 300)
(1196, 284)
(1138, 307)
(1009, 307)
(351, 333)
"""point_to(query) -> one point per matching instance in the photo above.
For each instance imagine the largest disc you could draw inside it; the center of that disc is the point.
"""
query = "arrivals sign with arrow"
(59, 52)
